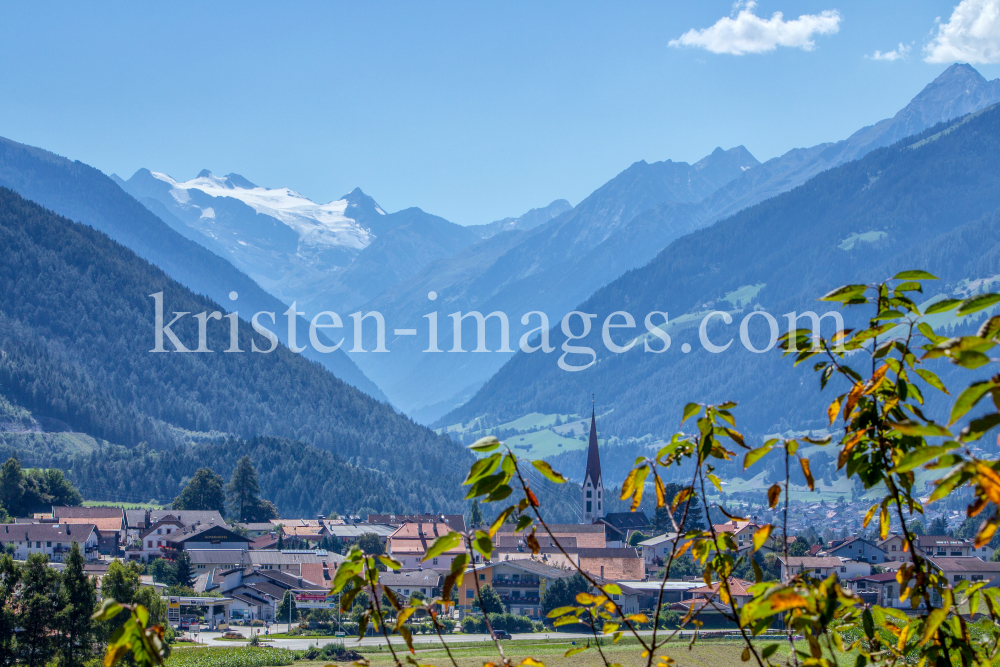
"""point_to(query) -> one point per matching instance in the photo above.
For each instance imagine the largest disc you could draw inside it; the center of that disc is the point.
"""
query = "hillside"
(76, 330)
(929, 202)
(84, 194)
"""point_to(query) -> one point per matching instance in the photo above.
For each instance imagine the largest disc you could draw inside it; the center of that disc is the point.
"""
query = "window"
(956, 553)
(893, 547)
(482, 577)
(469, 593)
(149, 544)
(598, 493)
(843, 569)
(434, 561)
(976, 577)
(588, 507)
(589, 493)
(406, 591)
(159, 531)
(959, 577)
(48, 544)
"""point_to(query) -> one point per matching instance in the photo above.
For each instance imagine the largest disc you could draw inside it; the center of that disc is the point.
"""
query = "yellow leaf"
(531, 662)
(833, 410)
(773, 495)
(808, 473)
(986, 533)
(760, 537)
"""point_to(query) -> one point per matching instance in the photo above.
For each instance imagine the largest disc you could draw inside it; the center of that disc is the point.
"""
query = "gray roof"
(628, 552)
(811, 561)
(534, 567)
(188, 517)
(966, 564)
(136, 518)
(924, 541)
(217, 556)
(195, 531)
(352, 532)
(413, 578)
(454, 521)
(275, 557)
(46, 532)
(87, 512)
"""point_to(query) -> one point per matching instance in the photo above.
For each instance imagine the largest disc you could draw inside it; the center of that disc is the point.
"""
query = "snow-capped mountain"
(332, 256)
(316, 224)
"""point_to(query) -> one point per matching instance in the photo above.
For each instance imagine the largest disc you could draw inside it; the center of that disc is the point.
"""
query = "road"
(214, 639)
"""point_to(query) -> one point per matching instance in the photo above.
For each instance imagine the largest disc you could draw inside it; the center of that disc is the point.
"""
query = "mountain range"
(929, 201)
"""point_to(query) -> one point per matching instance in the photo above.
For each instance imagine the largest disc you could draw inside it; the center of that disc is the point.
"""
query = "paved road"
(213, 639)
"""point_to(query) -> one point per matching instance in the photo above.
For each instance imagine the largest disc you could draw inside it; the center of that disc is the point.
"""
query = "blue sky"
(468, 111)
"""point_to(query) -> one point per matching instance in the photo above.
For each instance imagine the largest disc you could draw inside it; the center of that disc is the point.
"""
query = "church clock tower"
(593, 485)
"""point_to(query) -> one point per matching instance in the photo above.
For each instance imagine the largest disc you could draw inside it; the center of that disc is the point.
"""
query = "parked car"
(501, 634)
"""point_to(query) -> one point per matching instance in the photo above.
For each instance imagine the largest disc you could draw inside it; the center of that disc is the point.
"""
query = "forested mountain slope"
(928, 202)
(76, 330)
(84, 194)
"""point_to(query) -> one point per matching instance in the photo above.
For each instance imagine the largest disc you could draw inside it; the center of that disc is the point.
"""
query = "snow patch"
(316, 224)
(208, 213)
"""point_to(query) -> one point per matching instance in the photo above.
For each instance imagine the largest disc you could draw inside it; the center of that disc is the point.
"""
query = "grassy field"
(708, 653)
(128, 506)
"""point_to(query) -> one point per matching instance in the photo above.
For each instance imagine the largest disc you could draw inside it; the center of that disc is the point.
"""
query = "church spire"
(593, 485)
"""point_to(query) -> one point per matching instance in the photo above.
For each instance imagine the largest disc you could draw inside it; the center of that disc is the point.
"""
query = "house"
(404, 584)
(265, 541)
(301, 531)
(742, 532)
(316, 565)
(110, 522)
(209, 560)
(409, 543)
(52, 539)
(257, 529)
(519, 583)
(959, 568)
(620, 526)
(261, 591)
(656, 550)
(136, 521)
(153, 540)
(587, 536)
(649, 591)
(454, 521)
(612, 564)
(856, 548)
(821, 567)
(881, 589)
(207, 536)
(706, 598)
(187, 517)
(349, 533)
(940, 546)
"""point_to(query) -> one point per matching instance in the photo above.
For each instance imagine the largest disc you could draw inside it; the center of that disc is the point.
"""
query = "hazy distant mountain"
(928, 202)
(555, 267)
(84, 194)
(529, 220)
(509, 272)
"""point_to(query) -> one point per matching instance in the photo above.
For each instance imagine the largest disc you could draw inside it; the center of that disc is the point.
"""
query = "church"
(593, 485)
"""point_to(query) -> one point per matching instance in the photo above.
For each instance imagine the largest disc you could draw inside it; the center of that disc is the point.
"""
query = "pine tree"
(243, 490)
(11, 486)
(79, 600)
(203, 492)
(184, 575)
(282, 614)
(371, 544)
(38, 603)
(476, 514)
(489, 600)
(10, 576)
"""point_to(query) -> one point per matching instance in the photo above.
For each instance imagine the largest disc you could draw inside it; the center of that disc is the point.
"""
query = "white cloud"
(899, 53)
(972, 34)
(749, 33)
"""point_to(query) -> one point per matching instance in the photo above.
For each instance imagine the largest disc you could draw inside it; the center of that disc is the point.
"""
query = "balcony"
(523, 583)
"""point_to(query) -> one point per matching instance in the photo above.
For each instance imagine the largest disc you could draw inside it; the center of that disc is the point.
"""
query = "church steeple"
(593, 485)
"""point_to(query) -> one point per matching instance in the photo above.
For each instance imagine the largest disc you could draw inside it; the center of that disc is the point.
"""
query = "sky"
(471, 111)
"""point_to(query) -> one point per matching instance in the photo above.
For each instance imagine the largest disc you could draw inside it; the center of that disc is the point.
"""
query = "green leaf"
(612, 589)
(522, 523)
(769, 650)
(970, 359)
(390, 562)
(444, 543)
(977, 428)
(921, 430)
(487, 444)
(914, 275)
(483, 544)
(755, 455)
(550, 474)
(845, 293)
(868, 623)
(942, 306)
(968, 399)
(990, 329)
(108, 611)
(690, 410)
(482, 468)
(920, 456)
(932, 379)
(495, 526)
(977, 303)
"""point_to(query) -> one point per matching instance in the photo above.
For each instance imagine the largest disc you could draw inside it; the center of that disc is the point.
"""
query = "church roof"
(593, 456)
